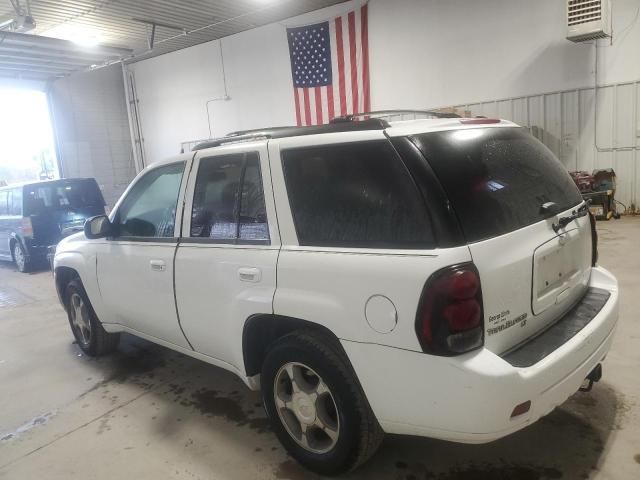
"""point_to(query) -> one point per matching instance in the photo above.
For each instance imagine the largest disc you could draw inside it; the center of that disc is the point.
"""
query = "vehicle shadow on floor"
(568, 443)
(39, 267)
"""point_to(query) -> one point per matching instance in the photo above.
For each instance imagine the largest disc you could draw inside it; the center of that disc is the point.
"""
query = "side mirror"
(98, 227)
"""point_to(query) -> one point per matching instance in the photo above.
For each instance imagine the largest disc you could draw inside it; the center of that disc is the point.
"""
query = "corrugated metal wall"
(564, 121)
(92, 129)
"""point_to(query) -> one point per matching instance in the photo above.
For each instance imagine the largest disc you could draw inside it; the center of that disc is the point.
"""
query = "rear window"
(497, 178)
(355, 195)
(71, 195)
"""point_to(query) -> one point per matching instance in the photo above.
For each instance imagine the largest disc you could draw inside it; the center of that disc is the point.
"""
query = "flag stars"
(310, 59)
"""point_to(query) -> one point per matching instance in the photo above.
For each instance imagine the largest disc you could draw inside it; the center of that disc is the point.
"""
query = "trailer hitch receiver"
(594, 376)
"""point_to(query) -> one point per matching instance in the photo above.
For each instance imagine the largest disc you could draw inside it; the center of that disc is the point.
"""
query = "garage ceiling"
(74, 35)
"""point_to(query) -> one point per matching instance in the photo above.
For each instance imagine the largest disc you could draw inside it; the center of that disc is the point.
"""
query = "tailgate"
(530, 278)
(507, 191)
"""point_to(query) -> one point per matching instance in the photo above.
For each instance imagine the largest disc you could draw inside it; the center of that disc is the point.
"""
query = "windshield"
(69, 195)
(497, 179)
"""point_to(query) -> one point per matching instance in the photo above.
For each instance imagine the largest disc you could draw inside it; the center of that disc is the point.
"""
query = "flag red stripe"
(297, 98)
(354, 62)
(318, 106)
(364, 33)
(330, 103)
(341, 84)
(307, 107)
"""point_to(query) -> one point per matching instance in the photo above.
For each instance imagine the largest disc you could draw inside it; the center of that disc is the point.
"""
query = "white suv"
(431, 277)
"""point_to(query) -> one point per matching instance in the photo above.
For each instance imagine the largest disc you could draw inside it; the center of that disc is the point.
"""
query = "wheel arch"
(63, 276)
(261, 330)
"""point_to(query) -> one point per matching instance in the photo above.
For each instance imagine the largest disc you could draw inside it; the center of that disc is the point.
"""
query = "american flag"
(330, 68)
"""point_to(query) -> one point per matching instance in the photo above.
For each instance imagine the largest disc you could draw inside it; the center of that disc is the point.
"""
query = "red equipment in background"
(584, 180)
(600, 188)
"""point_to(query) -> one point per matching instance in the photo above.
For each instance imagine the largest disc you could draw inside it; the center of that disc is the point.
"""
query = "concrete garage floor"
(147, 412)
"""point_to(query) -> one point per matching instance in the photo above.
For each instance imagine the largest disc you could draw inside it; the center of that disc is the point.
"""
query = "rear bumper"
(470, 398)
(37, 252)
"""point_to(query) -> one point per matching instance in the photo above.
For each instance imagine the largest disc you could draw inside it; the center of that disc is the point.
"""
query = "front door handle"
(249, 274)
(158, 265)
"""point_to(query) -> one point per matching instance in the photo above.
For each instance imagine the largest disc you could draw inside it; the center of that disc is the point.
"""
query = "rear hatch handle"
(564, 221)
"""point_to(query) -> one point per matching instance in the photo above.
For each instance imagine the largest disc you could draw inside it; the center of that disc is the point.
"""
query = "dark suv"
(37, 215)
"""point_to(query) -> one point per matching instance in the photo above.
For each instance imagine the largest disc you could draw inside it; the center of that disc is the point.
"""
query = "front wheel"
(87, 329)
(316, 406)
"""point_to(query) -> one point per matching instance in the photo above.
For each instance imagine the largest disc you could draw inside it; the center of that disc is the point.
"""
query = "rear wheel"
(315, 404)
(22, 261)
(85, 326)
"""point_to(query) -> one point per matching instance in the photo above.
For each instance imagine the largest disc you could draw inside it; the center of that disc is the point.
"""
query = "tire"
(348, 432)
(20, 258)
(92, 338)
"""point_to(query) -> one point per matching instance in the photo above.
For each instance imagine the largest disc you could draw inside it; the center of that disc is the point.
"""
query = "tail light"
(594, 240)
(27, 227)
(450, 317)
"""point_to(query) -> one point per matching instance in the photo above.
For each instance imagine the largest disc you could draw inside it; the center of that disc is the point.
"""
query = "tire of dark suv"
(315, 404)
(20, 257)
(92, 339)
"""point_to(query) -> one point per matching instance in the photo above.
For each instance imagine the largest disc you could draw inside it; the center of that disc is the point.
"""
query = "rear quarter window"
(497, 178)
(355, 195)
(62, 195)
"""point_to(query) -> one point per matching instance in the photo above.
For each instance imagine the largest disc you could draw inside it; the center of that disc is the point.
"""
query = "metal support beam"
(152, 37)
(37, 70)
(85, 58)
(17, 75)
(49, 43)
(42, 59)
(27, 63)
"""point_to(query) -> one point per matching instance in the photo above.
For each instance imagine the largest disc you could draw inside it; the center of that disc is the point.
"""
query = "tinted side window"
(253, 214)
(355, 195)
(228, 201)
(149, 209)
(215, 201)
(4, 197)
(15, 207)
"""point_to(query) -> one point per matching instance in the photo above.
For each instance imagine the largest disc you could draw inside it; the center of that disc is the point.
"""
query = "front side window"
(228, 202)
(149, 209)
(355, 195)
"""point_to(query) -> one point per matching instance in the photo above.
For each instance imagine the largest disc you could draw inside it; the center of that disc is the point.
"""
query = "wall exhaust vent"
(588, 20)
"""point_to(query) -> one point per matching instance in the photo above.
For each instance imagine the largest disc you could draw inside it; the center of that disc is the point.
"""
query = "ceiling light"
(86, 41)
(78, 34)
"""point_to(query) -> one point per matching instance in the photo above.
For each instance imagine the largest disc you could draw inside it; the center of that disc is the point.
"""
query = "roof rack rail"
(232, 139)
(283, 132)
(253, 131)
(393, 113)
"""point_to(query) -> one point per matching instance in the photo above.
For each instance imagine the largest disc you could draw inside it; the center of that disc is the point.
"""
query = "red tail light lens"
(27, 227)
(449, 320)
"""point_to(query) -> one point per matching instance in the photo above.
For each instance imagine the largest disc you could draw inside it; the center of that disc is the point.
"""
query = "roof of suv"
(347, 124)
(45, 182)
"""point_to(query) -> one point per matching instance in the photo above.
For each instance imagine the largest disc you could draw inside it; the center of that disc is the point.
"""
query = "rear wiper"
(564, 221)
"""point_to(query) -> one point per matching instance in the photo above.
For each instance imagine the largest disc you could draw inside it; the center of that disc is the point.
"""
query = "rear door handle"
(249, 274)
(158, 265)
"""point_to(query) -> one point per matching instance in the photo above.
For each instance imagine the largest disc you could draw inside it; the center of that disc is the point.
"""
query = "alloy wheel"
(80, 318)
(306, 407)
